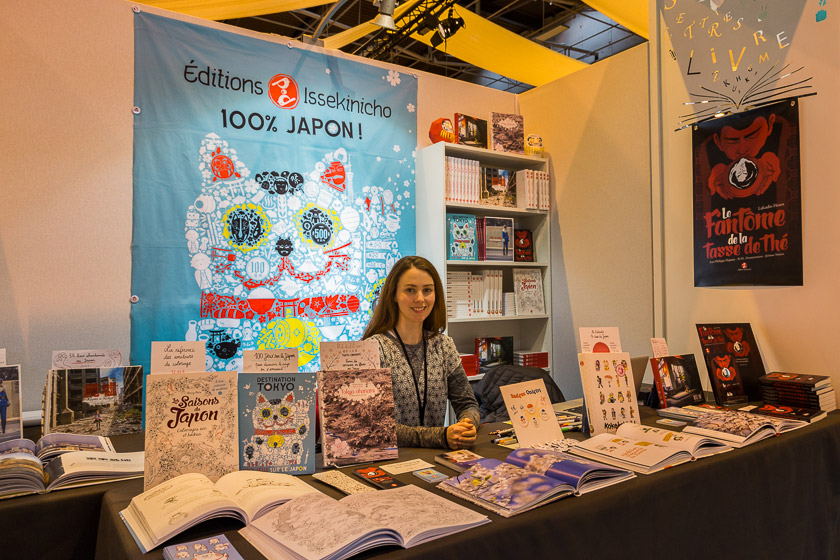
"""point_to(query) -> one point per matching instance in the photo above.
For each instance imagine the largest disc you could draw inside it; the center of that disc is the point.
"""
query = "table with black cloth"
(778, 498)
(61, 524)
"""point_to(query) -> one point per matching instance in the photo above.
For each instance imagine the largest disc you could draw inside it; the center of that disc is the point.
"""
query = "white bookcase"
(530, 333)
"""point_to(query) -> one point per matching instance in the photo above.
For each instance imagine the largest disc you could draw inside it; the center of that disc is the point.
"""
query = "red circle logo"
(283, 91)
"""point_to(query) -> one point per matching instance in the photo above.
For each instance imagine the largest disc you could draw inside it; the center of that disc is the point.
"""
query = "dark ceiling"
(569, 27)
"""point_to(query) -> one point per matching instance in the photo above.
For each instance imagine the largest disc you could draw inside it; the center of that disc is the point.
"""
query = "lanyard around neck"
(421, 405)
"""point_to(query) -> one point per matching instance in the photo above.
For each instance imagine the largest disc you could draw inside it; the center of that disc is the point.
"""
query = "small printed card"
(430, 475)
(660, 347)
(343, 355)
(599, 339)
(2, 356)
(214, 548)
(274, 360)
(178, 357)
(73, 359)
(531, 413)
(378, 477)
(342, 482)
(406, 466)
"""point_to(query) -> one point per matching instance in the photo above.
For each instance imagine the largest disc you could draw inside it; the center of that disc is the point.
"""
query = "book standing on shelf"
(182, 502)
(531, 359)
(497, 188)
(470, 130)
(498, 239)
(532, 189)
(507, 133)
(277, 422)
(493, 351)
(462, 244)
(528, 291)
(733, 361)
(523, 245)
(316, 527)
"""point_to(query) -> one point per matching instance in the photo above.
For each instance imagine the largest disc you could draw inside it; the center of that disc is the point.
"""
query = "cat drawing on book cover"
(280, 426)
(462, 240)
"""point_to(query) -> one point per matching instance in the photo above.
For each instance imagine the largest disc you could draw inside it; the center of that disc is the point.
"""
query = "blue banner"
(273, 190)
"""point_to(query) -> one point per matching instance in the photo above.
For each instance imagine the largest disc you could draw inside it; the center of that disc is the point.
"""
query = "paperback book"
(470, 130)
(645, 449)
(24, 473)
(530, 412)
(316, 527)
(377, 477)
(498, 234)
(497, 187)
(459, 460)
(191, 421)
(277, 422)
(504, 488)
(100, 401)
(732, 360)
(213, 548)
(461, 237)
(184, 501)
(493, 351)
(356, 409)
(507, 133)
(528, 291)
(790, 412)
(523, 245)
(609, 391)
(11, 417)
(677, 380)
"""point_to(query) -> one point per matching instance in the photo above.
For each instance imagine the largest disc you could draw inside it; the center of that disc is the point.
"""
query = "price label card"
(178, 357)
(71, 359)
(343, 355)
(274, 360)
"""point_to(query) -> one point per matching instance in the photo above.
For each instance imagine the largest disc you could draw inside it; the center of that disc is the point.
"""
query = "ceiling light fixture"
(386, 14)
(446, 28)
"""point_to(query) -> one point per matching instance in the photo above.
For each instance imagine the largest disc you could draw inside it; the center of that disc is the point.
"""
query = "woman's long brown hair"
(386, 313)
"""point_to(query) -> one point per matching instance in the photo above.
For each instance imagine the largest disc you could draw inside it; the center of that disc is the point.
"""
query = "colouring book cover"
(277, 422)
(507, 132)
(461, 237)
(357, 416)
(528, 291)
(608, 390)
(190, 425)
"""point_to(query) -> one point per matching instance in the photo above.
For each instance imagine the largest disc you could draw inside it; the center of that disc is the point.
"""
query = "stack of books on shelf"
(474, 294)
(798, 391)
(470, 363)
(531, 359)
(532, 190)
(463, 180)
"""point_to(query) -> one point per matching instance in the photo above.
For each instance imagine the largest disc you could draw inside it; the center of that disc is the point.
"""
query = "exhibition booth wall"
(621, 194)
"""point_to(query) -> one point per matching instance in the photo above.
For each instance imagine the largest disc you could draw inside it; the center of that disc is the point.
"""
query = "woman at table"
(408, 322)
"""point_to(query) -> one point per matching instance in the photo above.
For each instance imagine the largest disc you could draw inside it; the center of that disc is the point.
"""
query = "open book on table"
(583, 475)
(317, 527)
(505, 488)
(53, 445)
(24, 473)
(646, 449)
(740, 428)
(184, 501)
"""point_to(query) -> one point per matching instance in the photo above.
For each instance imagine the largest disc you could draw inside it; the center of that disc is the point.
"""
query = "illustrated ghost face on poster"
(273, 191)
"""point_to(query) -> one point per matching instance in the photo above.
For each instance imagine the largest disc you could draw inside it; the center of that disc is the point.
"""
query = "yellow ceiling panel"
(355, 33)
(632, 14)
(484, 44)
(228, 9)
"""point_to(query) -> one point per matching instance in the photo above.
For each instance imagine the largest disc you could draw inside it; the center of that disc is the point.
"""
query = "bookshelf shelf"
(530, 332)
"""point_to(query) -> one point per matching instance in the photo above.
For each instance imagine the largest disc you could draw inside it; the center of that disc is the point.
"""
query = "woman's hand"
(461, 435)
